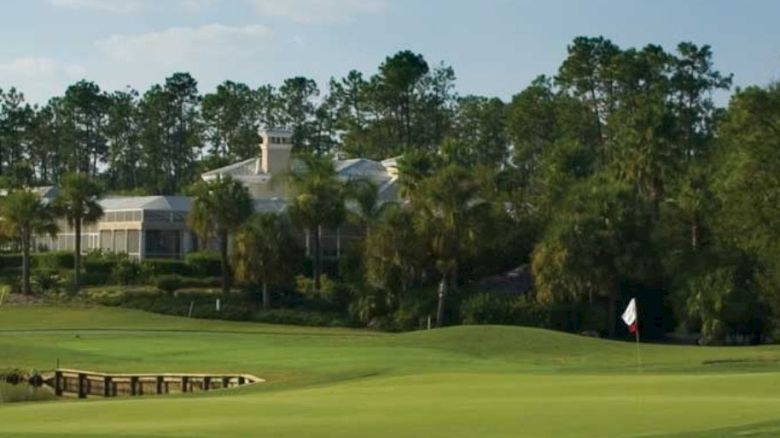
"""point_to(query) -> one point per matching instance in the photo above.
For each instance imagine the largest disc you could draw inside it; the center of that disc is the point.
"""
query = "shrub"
(301, 317)
(12, 277)
(53, 260)
(46, 280)
(487, 308)
(120, 296)
(10, 260)
(103, 262)
(126, 272)
(156, 267)
(194, 282)
(168, 283)
(94, 278)
(204, 263)
(305, 287)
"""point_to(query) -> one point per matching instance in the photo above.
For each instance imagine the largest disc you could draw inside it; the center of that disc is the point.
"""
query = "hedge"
(204, 263)
(490, 308)
(157, 267)
(53, 260)
(10, 260)
(235, 307)
(44, 260)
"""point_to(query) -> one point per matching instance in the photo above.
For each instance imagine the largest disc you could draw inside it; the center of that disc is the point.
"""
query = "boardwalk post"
(206, 383)
(82, 385)
(134, 385)
(107, 386)
(184, 382)
(225, 382)
(58, 383)
(159, 384)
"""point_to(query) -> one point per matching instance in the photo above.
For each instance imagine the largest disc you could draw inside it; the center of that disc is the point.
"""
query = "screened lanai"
(140, 226)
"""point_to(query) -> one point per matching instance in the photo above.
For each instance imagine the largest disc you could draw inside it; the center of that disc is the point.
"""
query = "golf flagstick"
(638, 351)
(631, 318)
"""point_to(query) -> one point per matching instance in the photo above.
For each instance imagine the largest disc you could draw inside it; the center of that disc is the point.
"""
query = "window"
(120, 241)
(106, 241)
(162, 243)
(133, 241)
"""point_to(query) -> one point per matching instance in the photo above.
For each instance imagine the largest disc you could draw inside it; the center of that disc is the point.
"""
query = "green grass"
(455, 382)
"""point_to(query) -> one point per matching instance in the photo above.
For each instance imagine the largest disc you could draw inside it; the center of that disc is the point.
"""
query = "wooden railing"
(80, 383)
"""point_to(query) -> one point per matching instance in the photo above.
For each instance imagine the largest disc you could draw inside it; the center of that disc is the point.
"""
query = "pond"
(24, 392)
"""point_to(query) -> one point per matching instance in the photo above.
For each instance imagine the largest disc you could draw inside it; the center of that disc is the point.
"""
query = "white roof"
(246, 167)
(165, 203)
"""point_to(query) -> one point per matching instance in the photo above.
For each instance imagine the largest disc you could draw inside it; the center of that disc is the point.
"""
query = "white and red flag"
(630, 316)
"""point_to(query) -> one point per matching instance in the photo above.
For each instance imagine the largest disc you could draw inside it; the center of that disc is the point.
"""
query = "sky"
(497, 47)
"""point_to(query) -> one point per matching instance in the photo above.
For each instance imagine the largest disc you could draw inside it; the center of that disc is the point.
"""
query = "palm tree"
(363, 200)
(392, 251)
(448, 211)
(23, 215)
(221, 206)
(317, 201)
(78, 203)
(264, 252)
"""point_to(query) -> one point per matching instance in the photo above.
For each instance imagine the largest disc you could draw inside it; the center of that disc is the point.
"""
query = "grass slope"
(460, 381)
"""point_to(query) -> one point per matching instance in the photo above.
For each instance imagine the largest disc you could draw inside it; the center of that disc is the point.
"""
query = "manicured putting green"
(456, 382)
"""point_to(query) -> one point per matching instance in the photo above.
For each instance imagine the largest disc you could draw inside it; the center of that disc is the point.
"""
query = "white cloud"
(112, 6)
(313, 11)
(184, 44)
(132, 6)
(38, 77)
(208, 52)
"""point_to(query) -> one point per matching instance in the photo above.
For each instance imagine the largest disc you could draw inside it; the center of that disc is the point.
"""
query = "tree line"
(158, 141)
(619, 176)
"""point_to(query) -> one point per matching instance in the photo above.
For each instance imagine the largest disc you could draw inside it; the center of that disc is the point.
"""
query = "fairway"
(455, 382)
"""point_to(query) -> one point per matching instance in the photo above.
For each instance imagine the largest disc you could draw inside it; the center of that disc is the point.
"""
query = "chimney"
(275, 147)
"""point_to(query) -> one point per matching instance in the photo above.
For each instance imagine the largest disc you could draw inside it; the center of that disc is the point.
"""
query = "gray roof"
(270, 205)
(165, 203)
(246, 167)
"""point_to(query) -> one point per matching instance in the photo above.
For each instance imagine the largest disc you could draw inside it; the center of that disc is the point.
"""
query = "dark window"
(162, 243)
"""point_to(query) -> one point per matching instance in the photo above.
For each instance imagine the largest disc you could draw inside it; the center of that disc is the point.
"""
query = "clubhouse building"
(156, 226)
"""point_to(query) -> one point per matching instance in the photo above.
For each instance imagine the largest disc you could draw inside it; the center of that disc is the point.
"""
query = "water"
(24, 392)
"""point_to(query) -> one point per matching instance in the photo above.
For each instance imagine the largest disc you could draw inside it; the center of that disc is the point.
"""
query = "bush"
(126, 272)
(119, 296)
(12, 277)
(156, 267)
(171, 283)
(46, 280)
(103, 262)
(168, 283)
(487, 308)
(53, 260)
(204, 263)
(301, 317)
(10, 260)
(99, 266)
(305, 287)
(196, 283)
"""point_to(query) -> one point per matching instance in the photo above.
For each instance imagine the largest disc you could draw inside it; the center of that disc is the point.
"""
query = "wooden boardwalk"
(80, 383)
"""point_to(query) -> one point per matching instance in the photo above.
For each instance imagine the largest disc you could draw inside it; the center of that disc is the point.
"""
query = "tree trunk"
(223, 252)
(77, 255)
(26, 262)
(694, 236)
(317, 265)
(443, 286)
(266, 296)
